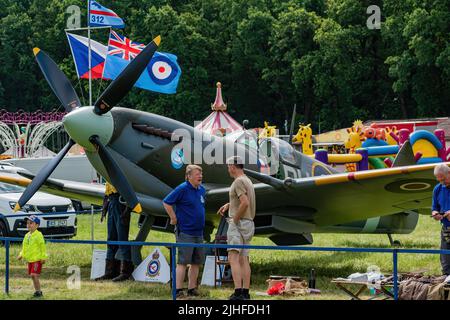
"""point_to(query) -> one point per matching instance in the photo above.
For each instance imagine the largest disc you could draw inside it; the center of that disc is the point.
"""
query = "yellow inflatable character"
(304, 137)
(353, 142)
(267, 131)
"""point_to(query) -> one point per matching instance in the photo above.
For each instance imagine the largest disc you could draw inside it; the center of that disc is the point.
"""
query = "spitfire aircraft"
(140, 154)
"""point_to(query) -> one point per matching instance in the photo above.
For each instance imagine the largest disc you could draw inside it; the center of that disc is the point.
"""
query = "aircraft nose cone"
(83, 123)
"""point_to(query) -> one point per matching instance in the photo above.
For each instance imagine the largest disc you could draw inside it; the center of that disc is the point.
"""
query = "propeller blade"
(118, 179)
(57, 80)
(126, 79)
(42, 176)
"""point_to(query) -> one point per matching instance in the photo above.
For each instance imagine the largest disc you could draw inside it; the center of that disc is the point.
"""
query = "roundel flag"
(161, 74)
(164, 72)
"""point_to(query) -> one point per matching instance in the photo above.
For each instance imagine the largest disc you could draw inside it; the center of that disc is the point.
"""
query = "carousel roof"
(219, 122)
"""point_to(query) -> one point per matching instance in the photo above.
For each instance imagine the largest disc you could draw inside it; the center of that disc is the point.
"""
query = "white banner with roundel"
(153, 269)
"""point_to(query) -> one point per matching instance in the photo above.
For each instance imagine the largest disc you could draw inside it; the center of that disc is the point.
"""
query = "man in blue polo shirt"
(441, 211)
(189, 221)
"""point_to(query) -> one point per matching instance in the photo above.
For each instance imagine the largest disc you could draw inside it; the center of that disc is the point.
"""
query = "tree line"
(268, 54)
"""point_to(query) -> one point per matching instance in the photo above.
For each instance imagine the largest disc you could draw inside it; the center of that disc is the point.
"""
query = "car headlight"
(26, 208)
(12, 204)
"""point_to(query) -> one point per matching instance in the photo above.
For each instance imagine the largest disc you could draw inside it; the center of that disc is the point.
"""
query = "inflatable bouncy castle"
(380, 146)
(432, 147)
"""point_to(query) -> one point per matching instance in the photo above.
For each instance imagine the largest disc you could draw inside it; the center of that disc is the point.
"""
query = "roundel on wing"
(162, 70)
(177, 158)
(411, 186)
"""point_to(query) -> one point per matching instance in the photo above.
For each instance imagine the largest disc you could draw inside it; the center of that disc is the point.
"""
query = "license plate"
(57, 223)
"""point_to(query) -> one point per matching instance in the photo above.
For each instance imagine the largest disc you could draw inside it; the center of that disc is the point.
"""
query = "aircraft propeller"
(126, 80)
(63, 89)
(42, 176)
(118, 179)
(57, 80)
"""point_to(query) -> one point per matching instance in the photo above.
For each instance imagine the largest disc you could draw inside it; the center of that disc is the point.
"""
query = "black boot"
(126, 269)
(112, 270)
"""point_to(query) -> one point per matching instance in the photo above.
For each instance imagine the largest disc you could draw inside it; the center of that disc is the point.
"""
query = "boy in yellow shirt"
(34, 252)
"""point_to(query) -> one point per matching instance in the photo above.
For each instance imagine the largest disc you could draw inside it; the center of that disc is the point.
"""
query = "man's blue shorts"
(189, 255)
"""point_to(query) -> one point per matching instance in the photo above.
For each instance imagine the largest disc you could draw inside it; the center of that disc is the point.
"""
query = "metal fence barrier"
(173, 246)
(37, 214)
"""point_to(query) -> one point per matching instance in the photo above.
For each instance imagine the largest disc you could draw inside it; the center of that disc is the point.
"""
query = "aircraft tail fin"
(405, 156)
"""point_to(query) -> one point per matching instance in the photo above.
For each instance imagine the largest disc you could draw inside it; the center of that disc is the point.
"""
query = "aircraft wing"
(342, 198)
(89, 192)
(216, 197)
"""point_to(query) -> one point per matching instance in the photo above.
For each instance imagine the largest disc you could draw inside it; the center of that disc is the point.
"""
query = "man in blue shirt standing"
(441, 211)
(189, 221)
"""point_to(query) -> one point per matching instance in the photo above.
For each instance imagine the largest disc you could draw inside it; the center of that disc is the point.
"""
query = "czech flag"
(100, 16)
(80, 52)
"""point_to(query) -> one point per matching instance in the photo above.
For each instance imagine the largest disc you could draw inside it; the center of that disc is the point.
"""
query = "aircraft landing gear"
(142, 235)
(394, 243)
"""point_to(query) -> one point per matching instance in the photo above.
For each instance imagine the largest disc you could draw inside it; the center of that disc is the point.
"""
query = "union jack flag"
(121, 46)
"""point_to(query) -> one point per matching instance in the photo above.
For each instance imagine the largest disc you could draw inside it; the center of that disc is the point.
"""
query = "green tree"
(291, 39)
(268, 54)
(419, 65)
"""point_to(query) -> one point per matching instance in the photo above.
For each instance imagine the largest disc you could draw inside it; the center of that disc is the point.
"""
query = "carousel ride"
(25, 134)
(219, 122)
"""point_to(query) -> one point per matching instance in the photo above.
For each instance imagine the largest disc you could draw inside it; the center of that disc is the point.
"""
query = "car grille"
(52, 231)
(47, 209)
(57, 231)
(58, 217)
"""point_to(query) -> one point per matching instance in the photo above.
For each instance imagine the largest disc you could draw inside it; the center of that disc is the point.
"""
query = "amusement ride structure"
(24, 134)
(219, 122)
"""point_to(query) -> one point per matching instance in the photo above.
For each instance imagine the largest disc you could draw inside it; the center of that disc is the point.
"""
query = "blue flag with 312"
(100, 16)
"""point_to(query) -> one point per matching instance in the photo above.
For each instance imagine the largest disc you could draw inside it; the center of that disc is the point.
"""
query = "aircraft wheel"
(77, 206)
(396, 243)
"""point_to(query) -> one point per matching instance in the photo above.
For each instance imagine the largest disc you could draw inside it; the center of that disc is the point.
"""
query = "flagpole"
(92, 28)
(89, 53)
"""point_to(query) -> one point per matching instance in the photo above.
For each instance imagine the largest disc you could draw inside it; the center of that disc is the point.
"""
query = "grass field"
(264, 264)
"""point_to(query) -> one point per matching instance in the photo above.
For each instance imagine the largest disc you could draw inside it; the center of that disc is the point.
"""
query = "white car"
(6, 166)
(12, 224)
